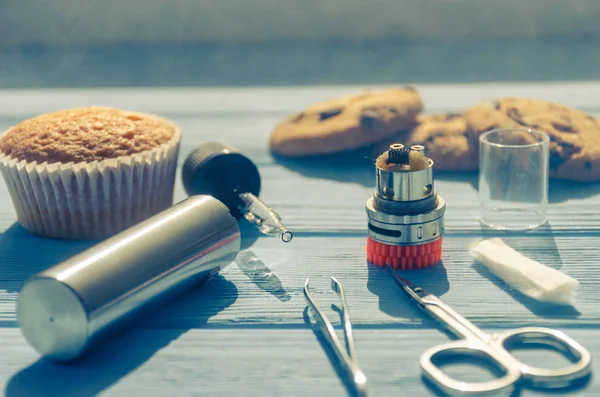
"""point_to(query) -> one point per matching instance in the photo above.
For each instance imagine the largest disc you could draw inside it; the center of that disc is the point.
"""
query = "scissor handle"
(543, 377)
(466, 348)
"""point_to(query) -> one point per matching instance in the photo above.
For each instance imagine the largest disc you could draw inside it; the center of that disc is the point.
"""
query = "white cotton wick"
(527, 276)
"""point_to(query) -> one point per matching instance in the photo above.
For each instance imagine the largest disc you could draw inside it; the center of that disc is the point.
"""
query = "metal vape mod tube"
(65, 308)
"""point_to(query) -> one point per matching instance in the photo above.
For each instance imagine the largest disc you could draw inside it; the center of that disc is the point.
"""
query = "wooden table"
(244, 332)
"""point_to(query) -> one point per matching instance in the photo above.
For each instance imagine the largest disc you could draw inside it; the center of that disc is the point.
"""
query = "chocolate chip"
(556, 160)
(563, 144)
(369, 121)
(562, 127)
(329, 114)
(516, 116)
(560, 152)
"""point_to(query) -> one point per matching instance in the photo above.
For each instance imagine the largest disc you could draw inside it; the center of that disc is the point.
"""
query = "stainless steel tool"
(347, 358)
(494, 350)
(63, 310)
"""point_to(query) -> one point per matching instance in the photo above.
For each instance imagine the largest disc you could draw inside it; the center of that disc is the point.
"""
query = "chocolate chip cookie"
(446, 140)
(574, 143)
(346, 123)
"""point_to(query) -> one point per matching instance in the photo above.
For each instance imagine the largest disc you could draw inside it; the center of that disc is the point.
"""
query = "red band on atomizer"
(407, 257)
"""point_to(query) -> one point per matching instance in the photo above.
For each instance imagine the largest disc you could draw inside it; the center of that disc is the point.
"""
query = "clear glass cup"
(513, 178)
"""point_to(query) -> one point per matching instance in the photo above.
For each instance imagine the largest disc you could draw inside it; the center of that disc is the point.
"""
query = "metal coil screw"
(397, 154)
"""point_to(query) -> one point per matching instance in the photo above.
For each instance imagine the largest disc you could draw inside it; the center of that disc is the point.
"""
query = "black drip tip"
(221, 171)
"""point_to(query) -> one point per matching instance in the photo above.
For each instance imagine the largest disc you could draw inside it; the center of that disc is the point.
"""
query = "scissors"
(493, 349)
(347, 358)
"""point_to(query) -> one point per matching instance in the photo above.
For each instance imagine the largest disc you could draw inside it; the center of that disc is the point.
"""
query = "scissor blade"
(431, 304)
(414, 292)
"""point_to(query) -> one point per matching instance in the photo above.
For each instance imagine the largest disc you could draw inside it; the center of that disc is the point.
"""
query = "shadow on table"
(261, 275)
(357, 166)
(558, 190)
(24, 255)
(436, 390)
(353, 166)
(107, 363)
(544, 251)
(392, 299)
(575, 386)
(249, 234)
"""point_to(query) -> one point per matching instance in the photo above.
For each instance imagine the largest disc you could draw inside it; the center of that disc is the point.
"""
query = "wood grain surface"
(258, 362)
(246, 332)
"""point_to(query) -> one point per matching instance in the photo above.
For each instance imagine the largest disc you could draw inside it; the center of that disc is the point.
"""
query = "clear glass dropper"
(220, 170)
(265, 219)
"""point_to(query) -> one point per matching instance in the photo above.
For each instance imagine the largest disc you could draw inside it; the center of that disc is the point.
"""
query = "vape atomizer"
(406, 215)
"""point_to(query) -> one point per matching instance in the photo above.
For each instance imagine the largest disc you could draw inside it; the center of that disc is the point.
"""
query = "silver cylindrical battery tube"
(62, 310)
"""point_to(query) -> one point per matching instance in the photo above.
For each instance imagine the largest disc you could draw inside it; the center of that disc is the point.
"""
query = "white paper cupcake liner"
(92, 200)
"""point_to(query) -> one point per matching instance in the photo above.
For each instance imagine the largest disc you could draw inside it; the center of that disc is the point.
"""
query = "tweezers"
(347, 358)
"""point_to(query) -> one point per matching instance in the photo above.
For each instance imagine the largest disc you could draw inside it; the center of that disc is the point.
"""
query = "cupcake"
(89, 173)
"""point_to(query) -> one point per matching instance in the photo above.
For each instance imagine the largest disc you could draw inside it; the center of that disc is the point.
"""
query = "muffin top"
(84, 135)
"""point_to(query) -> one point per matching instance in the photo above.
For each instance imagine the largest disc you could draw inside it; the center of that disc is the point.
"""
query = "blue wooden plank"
(264, 285)
(244, 362)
